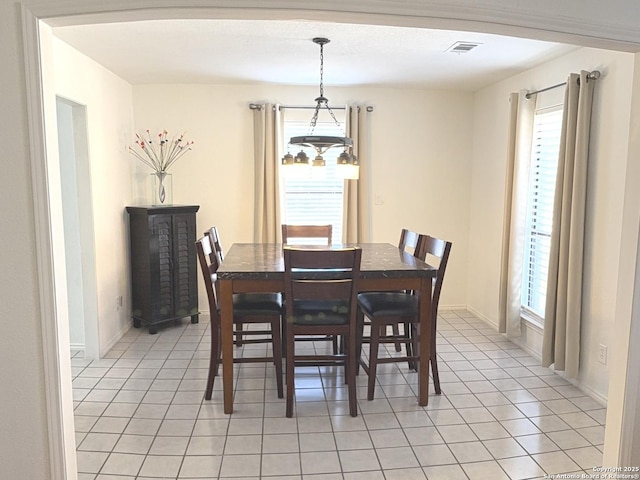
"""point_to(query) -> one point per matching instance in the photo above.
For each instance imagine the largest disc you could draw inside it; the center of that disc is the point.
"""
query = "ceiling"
(281, 52)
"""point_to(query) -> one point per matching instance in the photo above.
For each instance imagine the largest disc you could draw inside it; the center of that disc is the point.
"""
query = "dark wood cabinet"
(164, 283)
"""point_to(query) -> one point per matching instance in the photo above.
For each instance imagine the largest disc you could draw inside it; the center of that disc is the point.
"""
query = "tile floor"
(140, 414)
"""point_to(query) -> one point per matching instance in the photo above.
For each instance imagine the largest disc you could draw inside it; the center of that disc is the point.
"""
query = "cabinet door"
(161, 250)
(184, 265)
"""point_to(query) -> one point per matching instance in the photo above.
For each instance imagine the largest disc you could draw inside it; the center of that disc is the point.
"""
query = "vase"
(162, 190)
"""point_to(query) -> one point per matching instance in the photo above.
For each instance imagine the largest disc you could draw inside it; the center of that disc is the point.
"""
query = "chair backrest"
(209, 266)
(409, 241)
(214, 237)
(322, 274)
(301, 234)
(433, 248)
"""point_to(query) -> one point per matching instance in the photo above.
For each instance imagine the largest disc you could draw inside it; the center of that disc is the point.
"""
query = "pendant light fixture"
(347, 163)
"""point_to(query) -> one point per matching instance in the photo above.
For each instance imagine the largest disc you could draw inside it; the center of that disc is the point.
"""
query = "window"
(314, 199)
(539, 217)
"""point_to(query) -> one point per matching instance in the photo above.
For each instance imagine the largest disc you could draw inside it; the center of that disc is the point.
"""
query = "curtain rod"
(592, 76)
(258, 106)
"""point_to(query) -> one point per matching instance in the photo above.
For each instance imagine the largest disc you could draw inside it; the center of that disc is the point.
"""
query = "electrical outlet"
(602, 354)
(378, 199)
(118, 302)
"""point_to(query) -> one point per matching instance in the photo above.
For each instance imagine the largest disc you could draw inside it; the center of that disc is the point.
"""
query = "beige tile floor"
(140, 414)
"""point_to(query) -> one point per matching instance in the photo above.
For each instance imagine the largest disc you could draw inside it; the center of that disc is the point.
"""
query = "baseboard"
(482, 317)
(452, 307)
(536, 330)
(79, 347)
(116, 338)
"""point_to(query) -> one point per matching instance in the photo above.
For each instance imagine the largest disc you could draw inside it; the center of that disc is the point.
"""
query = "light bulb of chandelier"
(348, 166)
(318, 162)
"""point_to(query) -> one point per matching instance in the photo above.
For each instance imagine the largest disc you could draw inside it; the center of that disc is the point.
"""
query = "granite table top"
(265, 261)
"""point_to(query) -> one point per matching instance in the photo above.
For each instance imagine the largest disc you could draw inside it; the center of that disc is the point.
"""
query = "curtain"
(356, 218)
(515, 206)
(267, 136)
(561, 340)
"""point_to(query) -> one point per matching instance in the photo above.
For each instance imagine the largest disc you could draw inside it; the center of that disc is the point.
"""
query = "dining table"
(259, 267)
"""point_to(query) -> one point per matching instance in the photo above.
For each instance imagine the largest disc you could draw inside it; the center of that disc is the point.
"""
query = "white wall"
(421, 158)
(606, 182)
(109, 104)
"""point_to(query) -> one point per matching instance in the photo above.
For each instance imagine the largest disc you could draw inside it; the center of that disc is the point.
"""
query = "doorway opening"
(77, 219)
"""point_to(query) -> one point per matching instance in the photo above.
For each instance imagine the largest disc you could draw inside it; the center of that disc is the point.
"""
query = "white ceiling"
(281, 52)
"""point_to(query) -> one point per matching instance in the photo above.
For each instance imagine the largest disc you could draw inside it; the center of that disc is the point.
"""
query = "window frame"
(527, 309)
(334, 183)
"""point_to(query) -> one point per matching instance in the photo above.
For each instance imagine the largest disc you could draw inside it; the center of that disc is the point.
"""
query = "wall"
(421, 147)
(109, 104)
(606, 182)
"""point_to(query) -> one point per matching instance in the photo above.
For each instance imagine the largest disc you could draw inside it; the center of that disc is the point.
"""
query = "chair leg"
(434, 371)
(359, 337)
(239, 328)
(290, 370)
(276, 341)
(396, 333)
(373, 359)
(413, 345)
(408, 344)
(351, 361)
(434, 364)
(214, 361)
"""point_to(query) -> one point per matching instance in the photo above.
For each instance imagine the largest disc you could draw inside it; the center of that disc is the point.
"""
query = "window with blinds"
(539, 217)
(316, 198)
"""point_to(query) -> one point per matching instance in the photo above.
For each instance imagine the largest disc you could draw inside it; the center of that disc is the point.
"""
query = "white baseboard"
(533, 331)
(80, 347)
(482, 317)
(116, 338)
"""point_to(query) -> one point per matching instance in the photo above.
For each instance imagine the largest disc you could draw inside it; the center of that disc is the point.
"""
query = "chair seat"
(388, 304)
(245, 304)
(319, 312)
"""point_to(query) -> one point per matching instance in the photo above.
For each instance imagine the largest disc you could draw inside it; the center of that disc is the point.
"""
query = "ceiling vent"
(462, 47)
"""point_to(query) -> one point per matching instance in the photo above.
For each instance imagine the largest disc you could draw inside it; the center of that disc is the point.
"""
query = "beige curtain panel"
(267, 134)
(515, 206)
(561, 341)
(356, 225)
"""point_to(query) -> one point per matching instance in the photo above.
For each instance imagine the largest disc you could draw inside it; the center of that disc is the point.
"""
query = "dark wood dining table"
(259, 267)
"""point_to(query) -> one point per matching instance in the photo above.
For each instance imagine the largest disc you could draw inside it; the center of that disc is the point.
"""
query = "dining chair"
(408, 243)
(389, 308)
(305, 234)
(321, 287)
(250, 308)
(216, 245)
(214, 237)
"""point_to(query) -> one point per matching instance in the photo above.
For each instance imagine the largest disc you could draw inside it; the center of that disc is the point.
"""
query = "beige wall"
(606, 182)
(421, 147)
(109, 104)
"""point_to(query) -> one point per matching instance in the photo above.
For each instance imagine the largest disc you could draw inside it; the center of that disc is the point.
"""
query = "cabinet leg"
(136, 323)
(153, 330)
(195, 318)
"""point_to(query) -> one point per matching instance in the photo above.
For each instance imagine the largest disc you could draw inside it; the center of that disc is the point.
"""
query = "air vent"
(462, 47)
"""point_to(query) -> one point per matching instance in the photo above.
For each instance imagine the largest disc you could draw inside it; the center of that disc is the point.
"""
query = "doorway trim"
(58, 391)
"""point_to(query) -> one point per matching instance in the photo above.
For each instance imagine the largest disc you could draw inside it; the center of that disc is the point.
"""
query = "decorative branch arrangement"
(161, 153)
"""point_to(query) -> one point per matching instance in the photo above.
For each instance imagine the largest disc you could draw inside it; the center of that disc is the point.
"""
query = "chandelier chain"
(321, 99)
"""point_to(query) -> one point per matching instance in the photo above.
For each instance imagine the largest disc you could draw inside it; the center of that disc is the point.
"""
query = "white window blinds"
(542, 179)
(315, 199)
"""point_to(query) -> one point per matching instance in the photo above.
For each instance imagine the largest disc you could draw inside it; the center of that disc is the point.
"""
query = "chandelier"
(347, 163)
